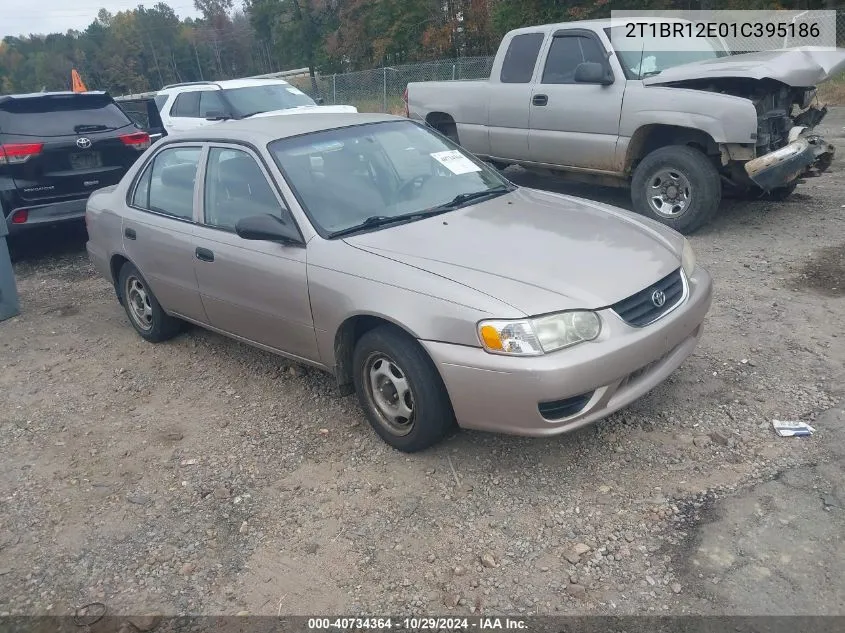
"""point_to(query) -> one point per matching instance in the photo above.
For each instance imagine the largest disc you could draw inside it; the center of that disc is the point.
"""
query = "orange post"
(78, 86)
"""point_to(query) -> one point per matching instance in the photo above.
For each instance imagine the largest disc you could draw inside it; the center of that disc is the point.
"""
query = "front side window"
(565, 54)
(211, 104)
(187, 105)
(367, 173)
(167, 184)
(520, 59)
(236, 188)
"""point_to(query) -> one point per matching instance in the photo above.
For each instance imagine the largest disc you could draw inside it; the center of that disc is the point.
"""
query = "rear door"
(158, 228)
(64, 146)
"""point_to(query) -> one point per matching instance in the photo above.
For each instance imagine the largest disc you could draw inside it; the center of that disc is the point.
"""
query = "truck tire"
(678, 186)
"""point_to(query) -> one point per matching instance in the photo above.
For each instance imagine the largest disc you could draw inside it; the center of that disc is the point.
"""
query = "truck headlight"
(533, 337)
(688, 259)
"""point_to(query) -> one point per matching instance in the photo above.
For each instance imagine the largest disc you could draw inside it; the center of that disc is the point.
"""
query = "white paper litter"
(792, 428)
(455, 162)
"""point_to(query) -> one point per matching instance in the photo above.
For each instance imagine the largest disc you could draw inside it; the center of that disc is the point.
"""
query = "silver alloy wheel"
(138, 300)
(670, 193)
(389, 390)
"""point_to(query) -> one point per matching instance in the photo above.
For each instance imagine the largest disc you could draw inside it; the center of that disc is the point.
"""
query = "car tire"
(143, 309)
(400, 390)
(678, 186)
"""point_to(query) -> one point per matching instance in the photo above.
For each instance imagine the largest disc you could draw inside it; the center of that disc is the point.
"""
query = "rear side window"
(160, 101)
(565, 54)
(167, 184)
(61, 115)
(518, 66)
(187, 105)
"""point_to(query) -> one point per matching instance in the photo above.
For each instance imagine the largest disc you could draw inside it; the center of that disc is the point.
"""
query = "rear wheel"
(143, 309)
(400, 390)
(678, 186)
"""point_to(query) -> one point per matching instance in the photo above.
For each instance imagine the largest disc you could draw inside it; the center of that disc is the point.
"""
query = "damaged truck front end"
(782, 86)
(786, 149)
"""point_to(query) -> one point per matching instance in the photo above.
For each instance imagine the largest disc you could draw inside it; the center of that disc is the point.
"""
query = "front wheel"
(400, 390)
(678, 186)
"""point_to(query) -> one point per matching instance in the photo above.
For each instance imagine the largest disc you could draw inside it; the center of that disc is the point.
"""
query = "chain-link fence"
(381, 89)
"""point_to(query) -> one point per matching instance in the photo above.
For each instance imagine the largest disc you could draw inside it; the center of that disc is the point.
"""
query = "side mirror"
(593, 73)
(215, 115)
(319, 101)
(269, 228)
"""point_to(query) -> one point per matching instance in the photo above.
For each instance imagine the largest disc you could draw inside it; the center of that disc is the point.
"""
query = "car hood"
(536, 251)
(799, 67)
(324, 109)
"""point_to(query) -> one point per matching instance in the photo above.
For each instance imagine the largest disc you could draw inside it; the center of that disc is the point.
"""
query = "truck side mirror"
(593, 73)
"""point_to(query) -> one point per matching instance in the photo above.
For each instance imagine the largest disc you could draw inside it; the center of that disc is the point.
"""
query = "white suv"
(188, 106)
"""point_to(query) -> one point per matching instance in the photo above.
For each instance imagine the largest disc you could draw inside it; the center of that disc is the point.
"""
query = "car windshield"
(647, 56)
(257, 99)
(368, 175)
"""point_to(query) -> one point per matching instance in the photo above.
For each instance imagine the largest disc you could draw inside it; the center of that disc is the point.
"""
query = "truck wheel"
(400, 390)
(678, 186)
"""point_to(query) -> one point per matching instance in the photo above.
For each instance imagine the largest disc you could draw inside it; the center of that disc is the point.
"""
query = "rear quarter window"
(62, 115)
(520, 59)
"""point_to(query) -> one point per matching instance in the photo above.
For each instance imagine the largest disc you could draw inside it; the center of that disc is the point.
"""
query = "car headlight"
(688, 259)
(533, 337)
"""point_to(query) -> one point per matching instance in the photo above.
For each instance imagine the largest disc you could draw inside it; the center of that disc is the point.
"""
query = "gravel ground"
(205, 477)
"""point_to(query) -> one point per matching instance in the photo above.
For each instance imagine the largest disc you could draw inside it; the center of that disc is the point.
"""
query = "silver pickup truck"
(676, 126)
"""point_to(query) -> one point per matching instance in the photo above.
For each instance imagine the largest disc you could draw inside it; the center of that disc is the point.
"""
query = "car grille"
(641, 309)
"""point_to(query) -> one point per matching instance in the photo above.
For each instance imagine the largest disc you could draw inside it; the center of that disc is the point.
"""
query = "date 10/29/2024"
(416, 624)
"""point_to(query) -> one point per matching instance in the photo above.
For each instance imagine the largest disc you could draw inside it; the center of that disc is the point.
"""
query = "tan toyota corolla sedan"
(373, 248)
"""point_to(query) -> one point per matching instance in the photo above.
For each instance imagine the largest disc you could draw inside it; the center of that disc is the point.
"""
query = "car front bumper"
(805, 156)
(47, 214)
(498, 393)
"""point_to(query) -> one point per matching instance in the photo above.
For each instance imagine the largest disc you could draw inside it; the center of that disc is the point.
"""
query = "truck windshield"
(643, 57)
(367, 176)
(257, 99)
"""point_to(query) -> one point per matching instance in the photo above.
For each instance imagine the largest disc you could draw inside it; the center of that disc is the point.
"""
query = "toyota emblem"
(83, 143)
(658, 298)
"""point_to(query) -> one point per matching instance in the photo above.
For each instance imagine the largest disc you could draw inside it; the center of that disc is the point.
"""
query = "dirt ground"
(205, 477)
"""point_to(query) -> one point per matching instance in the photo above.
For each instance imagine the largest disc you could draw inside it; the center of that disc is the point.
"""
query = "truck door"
(575, 123)
(510, 97)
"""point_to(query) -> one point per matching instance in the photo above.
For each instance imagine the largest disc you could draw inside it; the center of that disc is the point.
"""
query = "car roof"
(223, 83)
(35, 95)
(262, 130)
(599, 23)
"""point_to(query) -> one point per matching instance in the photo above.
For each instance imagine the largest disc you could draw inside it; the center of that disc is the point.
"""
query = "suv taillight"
(405, 100)
(16, 153)
(138, 140)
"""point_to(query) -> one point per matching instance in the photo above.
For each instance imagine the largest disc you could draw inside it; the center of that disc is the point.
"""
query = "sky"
(22, 17)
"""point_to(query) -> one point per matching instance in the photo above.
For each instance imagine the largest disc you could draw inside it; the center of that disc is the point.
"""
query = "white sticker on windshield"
(455, 162)
(294, 91)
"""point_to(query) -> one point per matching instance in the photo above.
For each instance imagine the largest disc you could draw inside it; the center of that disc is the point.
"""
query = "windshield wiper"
(375, 221)
(463, 198)
(650, 73)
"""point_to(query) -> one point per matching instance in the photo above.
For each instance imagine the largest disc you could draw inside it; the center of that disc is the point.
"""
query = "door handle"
(205, 255)
(129, 234)
(540, 100)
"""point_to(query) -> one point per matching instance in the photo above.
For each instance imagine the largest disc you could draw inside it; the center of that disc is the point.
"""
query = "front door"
(575, 124)
(252, 289)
